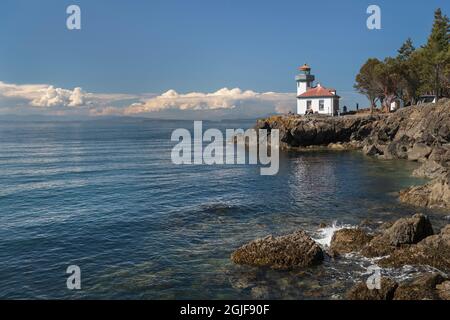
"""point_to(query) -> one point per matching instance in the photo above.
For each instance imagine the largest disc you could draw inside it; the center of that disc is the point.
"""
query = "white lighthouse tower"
(304, 79)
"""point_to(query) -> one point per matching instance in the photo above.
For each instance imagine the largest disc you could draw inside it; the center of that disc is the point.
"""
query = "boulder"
(404, 231)
(439, 153)
(409, 230)
(433, 194)
(398, 148)
(421, 288)
(419, 151)
(348, 240)
(416, 195)
(342, 146)
(285, 252)
(362, 292)
(430, 169)
(371, 150)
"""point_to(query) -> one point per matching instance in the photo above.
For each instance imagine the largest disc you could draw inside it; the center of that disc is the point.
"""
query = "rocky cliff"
(419, 133)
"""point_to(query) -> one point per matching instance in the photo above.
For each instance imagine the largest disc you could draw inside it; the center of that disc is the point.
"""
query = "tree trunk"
(372, 105)
(436, 84)
(389, 98)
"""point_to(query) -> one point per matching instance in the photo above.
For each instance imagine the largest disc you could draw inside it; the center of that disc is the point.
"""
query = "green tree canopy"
(366, 83)
(412, 72)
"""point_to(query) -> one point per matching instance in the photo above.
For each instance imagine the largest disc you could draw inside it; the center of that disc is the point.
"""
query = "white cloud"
(53, 97)
(47, 96)
(223, 103)
(28, 92)
(222, 99)
(44, 96)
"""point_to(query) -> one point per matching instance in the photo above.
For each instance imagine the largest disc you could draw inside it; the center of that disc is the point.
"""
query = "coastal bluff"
(418, 133)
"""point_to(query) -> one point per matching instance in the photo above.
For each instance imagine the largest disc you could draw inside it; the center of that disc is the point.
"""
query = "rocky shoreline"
(409, 241)
(419, 133)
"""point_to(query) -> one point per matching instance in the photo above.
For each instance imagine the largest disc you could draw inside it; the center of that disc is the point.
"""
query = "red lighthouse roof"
(319, 91)
(305, 67)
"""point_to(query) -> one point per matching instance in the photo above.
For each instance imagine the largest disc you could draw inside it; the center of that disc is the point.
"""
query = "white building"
(314, 99)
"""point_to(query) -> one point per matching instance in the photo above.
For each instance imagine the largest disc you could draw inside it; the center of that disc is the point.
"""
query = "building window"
(321, 105)
(308, 104)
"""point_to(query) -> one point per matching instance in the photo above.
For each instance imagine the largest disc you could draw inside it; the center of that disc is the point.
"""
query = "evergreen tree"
(409, 60)
(406, 50)
(412, 72)
(437, 54)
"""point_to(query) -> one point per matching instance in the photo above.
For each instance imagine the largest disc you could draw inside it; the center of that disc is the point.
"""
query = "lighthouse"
(304, 79)
(314, 99)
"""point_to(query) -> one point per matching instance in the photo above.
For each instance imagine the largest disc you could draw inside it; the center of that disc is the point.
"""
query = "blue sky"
(142, 48)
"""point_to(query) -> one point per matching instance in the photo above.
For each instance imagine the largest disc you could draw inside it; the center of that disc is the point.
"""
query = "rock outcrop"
(285, 252)
(408, 241)
(403, 232)
(348, 240)
(314, 130)
(436, 193)
(419, 133)
(433, 251)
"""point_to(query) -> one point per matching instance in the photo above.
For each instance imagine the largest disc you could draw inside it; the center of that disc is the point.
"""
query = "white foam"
(324, 235)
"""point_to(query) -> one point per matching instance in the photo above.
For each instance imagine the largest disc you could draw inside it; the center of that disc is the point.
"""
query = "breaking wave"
(324, 235)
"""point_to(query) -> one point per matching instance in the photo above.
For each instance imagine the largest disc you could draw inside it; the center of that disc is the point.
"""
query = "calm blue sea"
(104, 195)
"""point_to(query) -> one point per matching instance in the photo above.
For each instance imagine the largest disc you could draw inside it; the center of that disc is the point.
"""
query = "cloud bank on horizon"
(223, 103)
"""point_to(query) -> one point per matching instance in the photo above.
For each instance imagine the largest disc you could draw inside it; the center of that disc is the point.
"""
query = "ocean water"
(104, 195)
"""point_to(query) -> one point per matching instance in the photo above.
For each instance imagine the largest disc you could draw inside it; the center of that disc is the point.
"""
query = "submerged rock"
(285, 252)
(260, 292)
(362, 292)
(348, 240)
(421, 288)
